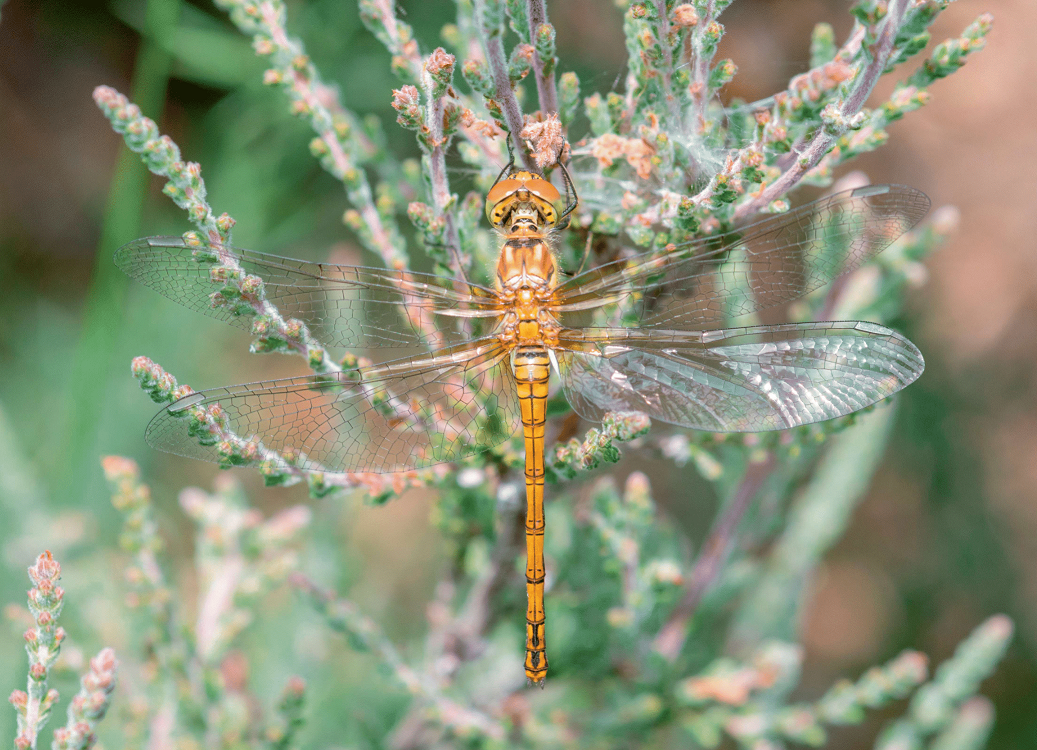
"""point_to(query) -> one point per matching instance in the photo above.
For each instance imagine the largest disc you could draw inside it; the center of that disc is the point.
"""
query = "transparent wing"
(737, 379)
(342, 305)
(699, 284)
(404, 414)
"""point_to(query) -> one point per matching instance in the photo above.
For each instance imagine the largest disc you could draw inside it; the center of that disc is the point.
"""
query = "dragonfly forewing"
(347, 306)
(704, 283)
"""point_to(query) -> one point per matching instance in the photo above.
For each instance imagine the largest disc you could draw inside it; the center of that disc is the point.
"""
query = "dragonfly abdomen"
(532, 368)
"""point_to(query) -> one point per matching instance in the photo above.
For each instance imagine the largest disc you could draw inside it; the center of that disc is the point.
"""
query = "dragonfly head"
(522, 194)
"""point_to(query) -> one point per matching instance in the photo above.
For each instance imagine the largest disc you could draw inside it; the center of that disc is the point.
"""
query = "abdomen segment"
(532, 370)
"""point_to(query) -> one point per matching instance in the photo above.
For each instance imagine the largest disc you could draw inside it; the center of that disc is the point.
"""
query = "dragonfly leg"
(571, 198)
(511, 162)
(586, 253)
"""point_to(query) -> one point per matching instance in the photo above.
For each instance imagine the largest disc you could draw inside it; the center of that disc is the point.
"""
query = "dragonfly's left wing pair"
(406, 413)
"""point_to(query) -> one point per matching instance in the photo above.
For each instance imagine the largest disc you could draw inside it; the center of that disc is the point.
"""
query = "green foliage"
(624, 602)
(655, 641)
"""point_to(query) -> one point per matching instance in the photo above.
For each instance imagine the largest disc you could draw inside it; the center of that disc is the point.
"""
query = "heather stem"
(186, 188)
(337, 128)
(664, 32)
(277, 469)
(546, 89)
(42, 644)
(89, 705)
(503, 92)
(442, 199)
(343, 616)
(700, 63)
(474, 617)
(404, 49)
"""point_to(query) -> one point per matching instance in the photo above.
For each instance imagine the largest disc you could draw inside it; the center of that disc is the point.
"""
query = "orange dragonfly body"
(642, 334)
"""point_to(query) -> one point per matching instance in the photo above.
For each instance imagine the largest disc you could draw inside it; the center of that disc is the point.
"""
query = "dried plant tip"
(608, 148)
(546, 140)
(407, 103)
(684, 16)
(440, 68)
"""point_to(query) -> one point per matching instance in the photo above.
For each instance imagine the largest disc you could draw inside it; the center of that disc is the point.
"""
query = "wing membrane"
(779, 259)
(343, 305)
(737, 379)
(403, 414)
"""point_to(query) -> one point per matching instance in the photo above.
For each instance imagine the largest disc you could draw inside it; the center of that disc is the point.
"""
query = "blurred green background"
(946, 537)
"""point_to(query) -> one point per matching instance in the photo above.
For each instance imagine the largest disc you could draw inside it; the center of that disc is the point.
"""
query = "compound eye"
(541, 188)
(502, 189)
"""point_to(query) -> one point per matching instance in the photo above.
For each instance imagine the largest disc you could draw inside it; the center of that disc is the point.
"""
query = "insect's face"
(522, 195)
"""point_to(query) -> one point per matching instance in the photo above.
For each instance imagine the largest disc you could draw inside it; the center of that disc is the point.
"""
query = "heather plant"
(43, 642)
(655, 642)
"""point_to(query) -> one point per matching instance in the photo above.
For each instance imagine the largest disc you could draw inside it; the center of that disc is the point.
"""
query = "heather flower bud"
(440, 68)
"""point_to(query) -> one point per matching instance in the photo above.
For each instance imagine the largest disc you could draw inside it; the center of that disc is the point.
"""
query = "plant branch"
(773, 126)
(504, 94)
(187, 189)
(466, 631)
(335, 126)
(343, 616)
(276, 468)
(715, 550)
(42, 644)
(664, 31)
(439, 68)
(89, 705)
(837, 117)
(568, 459)
(398, 37)
(543, 70)
(702, 55)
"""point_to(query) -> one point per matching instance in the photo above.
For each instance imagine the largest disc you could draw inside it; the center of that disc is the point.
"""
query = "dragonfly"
(647, 333)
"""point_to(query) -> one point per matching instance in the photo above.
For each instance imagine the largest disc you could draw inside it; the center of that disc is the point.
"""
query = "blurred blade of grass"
(105, 303)
(203, 50)
(19, 486)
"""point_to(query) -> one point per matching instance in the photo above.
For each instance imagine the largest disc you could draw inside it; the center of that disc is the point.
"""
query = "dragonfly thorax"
(526, 261)
(526, 279)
